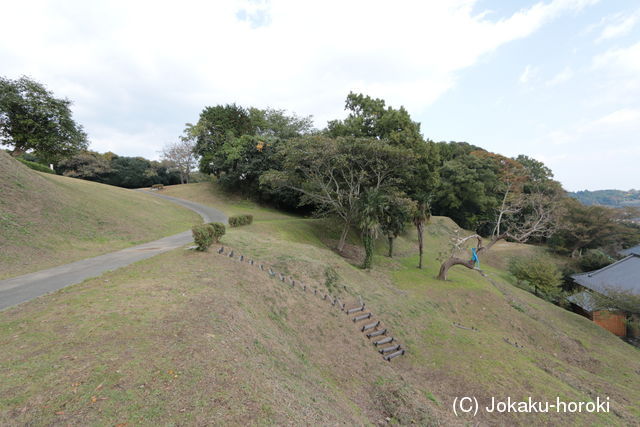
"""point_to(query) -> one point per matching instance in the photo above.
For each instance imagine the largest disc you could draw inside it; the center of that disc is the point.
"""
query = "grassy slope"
(189, 337)
(48, 220)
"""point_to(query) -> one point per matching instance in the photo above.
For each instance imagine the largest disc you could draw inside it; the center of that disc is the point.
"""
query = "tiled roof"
(623, 275)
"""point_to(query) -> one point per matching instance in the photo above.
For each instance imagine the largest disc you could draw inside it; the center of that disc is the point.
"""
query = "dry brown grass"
(48, 220)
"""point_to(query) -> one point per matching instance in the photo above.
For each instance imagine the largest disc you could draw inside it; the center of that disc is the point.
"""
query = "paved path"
(23, 288)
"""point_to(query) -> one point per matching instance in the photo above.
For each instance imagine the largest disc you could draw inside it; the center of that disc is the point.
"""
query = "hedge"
(205, 234)
(238, 220)
(36, 166)
(218, 230)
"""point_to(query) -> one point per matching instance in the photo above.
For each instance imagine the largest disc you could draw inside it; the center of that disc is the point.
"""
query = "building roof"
(631, 251)
(584, 300)
(622, 276)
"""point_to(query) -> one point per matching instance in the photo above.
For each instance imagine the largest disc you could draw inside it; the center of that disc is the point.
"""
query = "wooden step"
(389, 349)
(383, 341)
(355, 309)
(370, 326)
(362, 317)
(377, 333)
(393, 355)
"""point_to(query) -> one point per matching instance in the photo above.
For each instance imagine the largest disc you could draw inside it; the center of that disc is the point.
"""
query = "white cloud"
(618, 25)
(132, 65)
(626, 116)
(528, 74)
(620, 59)
(565, 75)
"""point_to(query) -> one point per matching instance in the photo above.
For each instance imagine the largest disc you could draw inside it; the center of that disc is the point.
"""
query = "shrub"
(203, 236)
(594, 259)
(538, 272)
(218, 230)
(238, 220)
(36, 166)
(331, 279)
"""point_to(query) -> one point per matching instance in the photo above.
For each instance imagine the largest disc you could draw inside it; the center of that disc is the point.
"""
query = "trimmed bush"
(218, 230)
(203, 236)
(238, 220)
(36, 166)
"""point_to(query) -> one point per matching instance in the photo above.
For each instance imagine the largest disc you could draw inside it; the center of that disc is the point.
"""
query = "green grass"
(197, 338)
(48, 220)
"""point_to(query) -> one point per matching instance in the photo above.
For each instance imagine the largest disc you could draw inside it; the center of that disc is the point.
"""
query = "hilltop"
(612, 198)
(48, 220)
(188, 337)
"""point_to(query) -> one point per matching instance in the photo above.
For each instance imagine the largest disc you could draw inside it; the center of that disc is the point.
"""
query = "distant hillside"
(48, 220)
(613, 198)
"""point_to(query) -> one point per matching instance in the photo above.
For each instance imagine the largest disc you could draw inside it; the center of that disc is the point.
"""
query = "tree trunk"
(420, 228)
(343, 237)
(368, 242)
(470, 264)
(390, 246)
(444, 268)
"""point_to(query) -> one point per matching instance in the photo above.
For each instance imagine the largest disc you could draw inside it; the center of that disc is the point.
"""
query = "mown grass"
(197, 338)
(48, 220)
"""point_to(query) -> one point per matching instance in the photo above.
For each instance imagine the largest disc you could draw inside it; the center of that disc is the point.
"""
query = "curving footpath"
(23, 288)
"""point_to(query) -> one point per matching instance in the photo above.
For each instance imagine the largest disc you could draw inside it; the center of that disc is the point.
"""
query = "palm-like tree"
(370, 210)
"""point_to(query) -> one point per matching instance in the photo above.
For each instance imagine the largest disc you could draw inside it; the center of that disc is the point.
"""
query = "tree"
(369, 117)
(132, 172)
(87, 165)
(419, 181)
(526, 217)
(397, 210)
(180, 155)
(216, 126)
(277, 124)
(587, 227)
(332, 174)
(31, 118)
(538, 272)
(468, 191)
(370, 206)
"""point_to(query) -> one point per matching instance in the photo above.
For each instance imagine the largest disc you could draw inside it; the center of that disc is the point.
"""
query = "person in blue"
(474, 258)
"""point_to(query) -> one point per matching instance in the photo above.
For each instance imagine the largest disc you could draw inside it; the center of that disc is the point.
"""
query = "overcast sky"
(558, 80)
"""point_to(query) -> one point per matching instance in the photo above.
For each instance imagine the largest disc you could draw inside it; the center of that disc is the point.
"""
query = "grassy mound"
(196, 338)
(48, 220)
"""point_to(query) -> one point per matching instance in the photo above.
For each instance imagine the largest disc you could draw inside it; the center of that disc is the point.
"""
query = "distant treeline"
(110, 168)
(613, 198)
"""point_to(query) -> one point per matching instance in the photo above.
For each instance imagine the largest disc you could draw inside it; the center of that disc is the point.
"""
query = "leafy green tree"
(539, 272)
(332, 174)
(589, 227)
(132, 172)
(31, 118)
(594, 259)
(277, 124)
(216, 126)
(370, 208)
(369, 117)
(467, 192)
(397, 211)
(88, 165)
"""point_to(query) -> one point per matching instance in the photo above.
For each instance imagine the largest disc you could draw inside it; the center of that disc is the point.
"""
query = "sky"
(557, 80)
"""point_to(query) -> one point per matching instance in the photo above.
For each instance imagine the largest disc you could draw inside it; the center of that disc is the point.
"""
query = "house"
(621, 276)
(631, 251)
